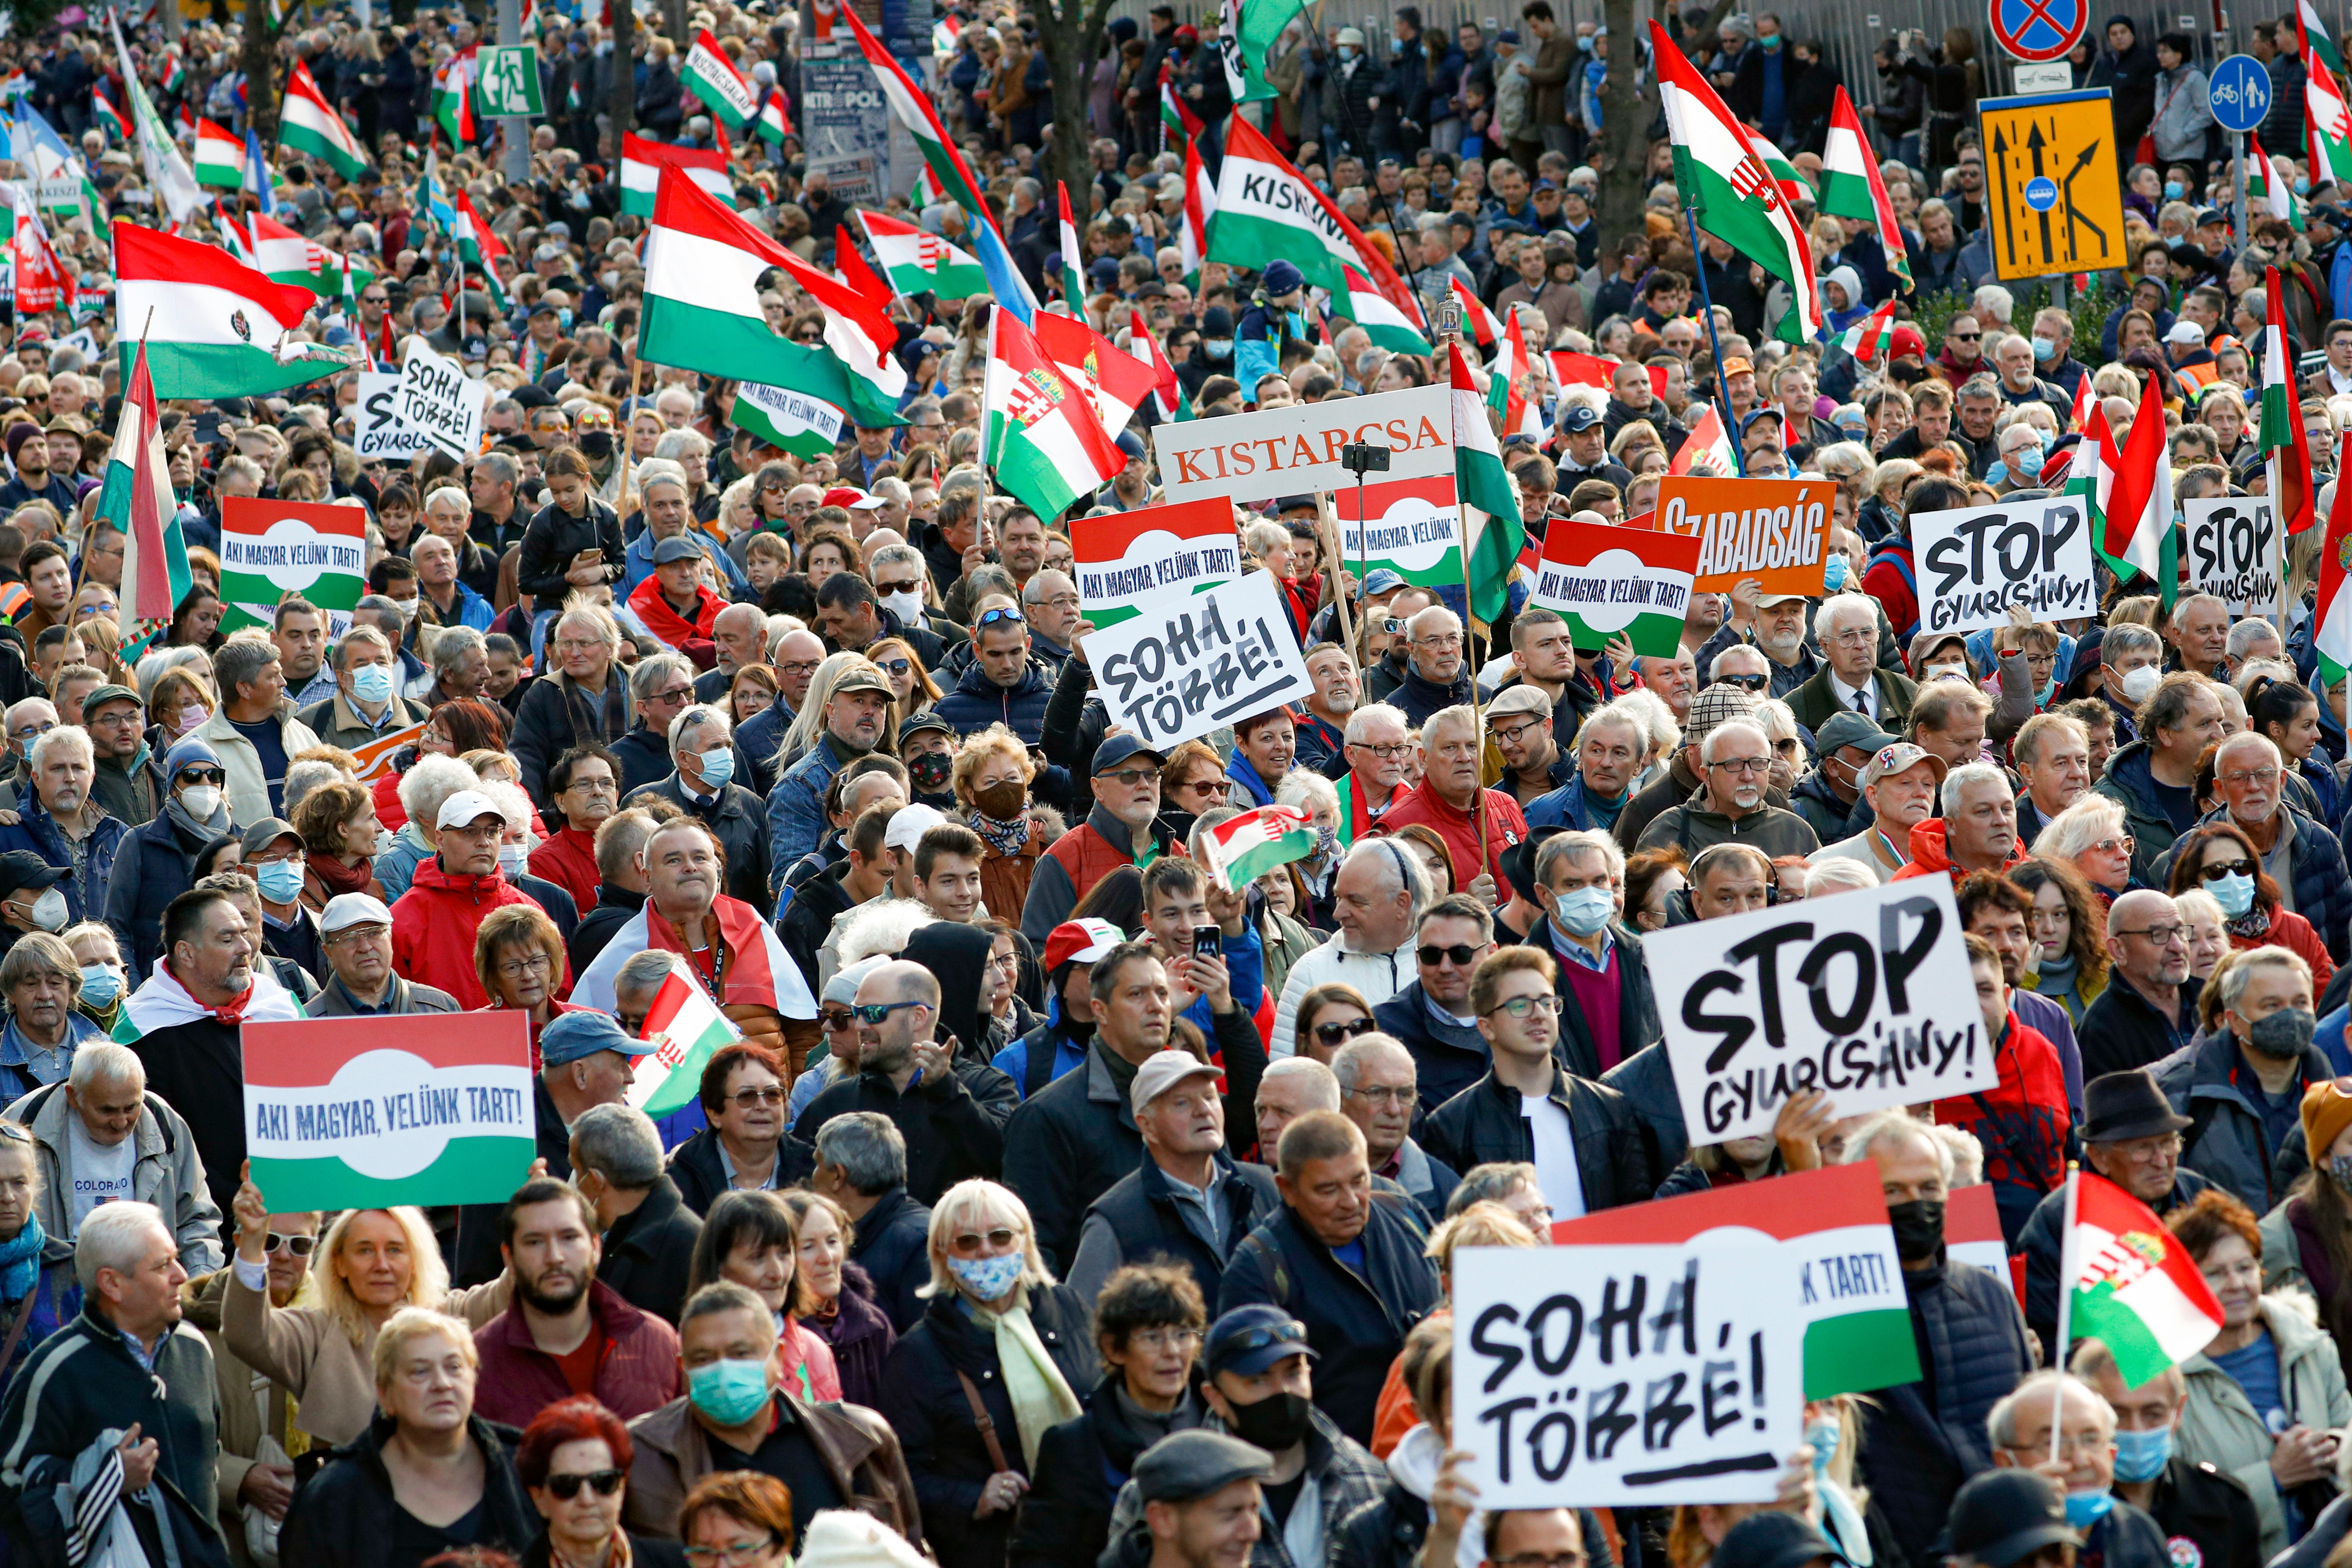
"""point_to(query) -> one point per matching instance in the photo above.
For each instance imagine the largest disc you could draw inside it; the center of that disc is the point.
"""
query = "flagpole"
(2067, 1267)
(1327, 519)
(1715, 343)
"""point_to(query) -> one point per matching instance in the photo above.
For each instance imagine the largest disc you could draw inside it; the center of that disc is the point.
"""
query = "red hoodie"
(432, 927)
(1929, 856)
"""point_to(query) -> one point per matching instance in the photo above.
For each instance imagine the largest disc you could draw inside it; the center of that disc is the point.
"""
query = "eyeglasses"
(567, 1487)
(674, 694)
(1519, 1006)
(203, 777)
(875, 1012)
(2122, 846)
(887, 665)
(1543, 1560)
(2160, 936)
(1742, 764)
(752, 1099)
(1462, 954)
(1964, 336)
(299, 1245)
(1155, 1339)
(537, 963)
(1745, 682)
(1384, 1095)
(2212, 873)
(2263, 777)
(1514, 735)
(836, 1017)
(1201, 786)
(1130, 777)
(1001, 1239)
(1395, 749)
(1332, 1034)
(743, 1554)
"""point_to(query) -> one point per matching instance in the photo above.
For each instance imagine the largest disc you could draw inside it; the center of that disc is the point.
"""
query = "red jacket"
(1928, 855)
(569, 860)
(638, 1372)
(433, 927)
(692, 637)
(1506, 825)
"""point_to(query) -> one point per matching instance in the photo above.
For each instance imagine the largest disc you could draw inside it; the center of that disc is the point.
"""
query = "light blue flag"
(257, 182)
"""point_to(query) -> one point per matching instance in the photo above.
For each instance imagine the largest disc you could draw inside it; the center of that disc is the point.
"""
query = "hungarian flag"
(2332, 616)
(711, 76)
(136, 497)
(776, 123)
(2129, 1284)
(1113, 380)
(2135, 533)
(167, 172)
(1506, 385)
(2287, 448)
(42, 281)
(1708, 443)
(480, 247)
(1484, 327)
(1074, 257)
(219, 330)
(643, 160)
(1043, 440)
(453, 99)
(283, 255)
(790, 421)
(1240, 851)
(109, 115)
(1785, 173)
(759, 973)
(688, 1029)
(1200, 206)
(1870, 338)
(1167, 391)
(916, 261)
(2317, 43)
(1490, 507)
(1388, 327)
(1264, 207)
(1722, 175)
(2327, 123)
(1569, 368)
(2265, 191)
(1178, 124)
(858, 330)
(308, 123)
(1852, 187)
(220, 157)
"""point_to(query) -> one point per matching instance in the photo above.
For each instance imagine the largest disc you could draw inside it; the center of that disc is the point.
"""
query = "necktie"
(1861, 703)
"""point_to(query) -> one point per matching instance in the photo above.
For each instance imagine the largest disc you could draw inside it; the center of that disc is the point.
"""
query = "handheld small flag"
(220, 157)
(1073, 271)
(2287, 448)
(1490, 505)
(2129, 1284)
(1240, 851)
(1870, 338)
(2331, 637)
(2138, 534)
(687, 1030)
(1852, 185)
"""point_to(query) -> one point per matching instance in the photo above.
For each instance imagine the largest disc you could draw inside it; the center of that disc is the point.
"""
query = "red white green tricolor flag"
(308, 124)
(687, 1029)
(1707, 444)
(2331, 637)
(1490, 505)
(1388, 327)
(917, 261)
(2266, 190)
(1723, 176)
(2135, 530)
(1114, 381)
(1267, 208)
(2327, 123)
(1852, 187)
(2287, 449)
(1044, 442)
(136, 497)
(1506, 385)
(1856, 1313)
(2317, 42)
(219, 330)
(2129, 1284)
(366, 1112)
(793, 421)
(1869, 338)
(1074, 255)
(1609, 582)
(1245, 849)
(642, 163)
(711, 76)
(220, 157)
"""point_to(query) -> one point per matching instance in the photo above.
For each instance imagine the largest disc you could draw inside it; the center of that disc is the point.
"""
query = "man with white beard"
(1778, 629)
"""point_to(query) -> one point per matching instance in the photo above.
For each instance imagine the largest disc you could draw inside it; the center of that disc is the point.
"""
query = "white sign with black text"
(1975, 562)
(2233, 551)
(439, 400)
(1595, 1376)
(1866, 996)
(1205, 661)
(376, 429)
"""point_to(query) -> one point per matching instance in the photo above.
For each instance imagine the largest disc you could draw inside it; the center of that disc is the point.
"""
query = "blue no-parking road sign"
(2038, 30)
(2241, 94)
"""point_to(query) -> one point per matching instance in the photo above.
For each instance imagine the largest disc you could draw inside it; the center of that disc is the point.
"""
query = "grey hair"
(867, 1148)
(699, 715)
(2181, 607)
(1308, 790)
(645, 969)
(668, 475)
(236, 662)
(881, 928)
(1891, 1123)
(1846, 606)
(450, 648)
(2238, 966)
(896, 556)
(1403, 868)
(153, 668)
(676, 444)
(2237, 742)
(649, 672)
(1491, 1182)
(1715, 665)
(109, 1062)
(2041, 1390)
(1365, 713)
(304, 777)
(619, 1143)
(1839, 875)
(1413, 628)
(115, 1236)
(430, 782)
(1968, 773)
(2127, 637)
(593, 615)
(2243, 634)
(1348, 1063)
(71, 736)
(39, 952)
(1561, 846)
(2077, 828)
(724, 1296)
(365, 636)
(1326, 1086)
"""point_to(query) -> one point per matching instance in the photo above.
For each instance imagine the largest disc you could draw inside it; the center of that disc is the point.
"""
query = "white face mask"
(906, 605)
(51, 911)
(2138, 683)
(513, 860)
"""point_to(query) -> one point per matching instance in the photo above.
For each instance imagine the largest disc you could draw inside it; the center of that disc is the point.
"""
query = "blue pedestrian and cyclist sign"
(2038, 30)
(2241, 94)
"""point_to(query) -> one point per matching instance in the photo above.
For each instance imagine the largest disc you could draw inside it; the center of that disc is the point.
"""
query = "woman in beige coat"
(372, 1263)
(2269, 1371)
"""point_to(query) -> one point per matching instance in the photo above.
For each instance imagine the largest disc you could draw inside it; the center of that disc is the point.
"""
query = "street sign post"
(2038, 30)
(2052, 184)
(2241, 96)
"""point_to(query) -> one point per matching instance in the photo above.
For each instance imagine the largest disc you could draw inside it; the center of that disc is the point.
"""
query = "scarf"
(616, 1553)
(232, 1011)
(2253, 925)
(338, 879)
(1040, 1396)
(163, 1003)
(20, 1260)
(1007, 838)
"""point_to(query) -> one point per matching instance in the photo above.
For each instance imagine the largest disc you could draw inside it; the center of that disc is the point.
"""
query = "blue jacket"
(796, 808)
(1568, 806)
(638, 562)
(473, 610)
(2225, 1143)
(157, 866)
(1244, 773)
(397, 867)
(39, 832)
(977, 702)
(1012, 1061)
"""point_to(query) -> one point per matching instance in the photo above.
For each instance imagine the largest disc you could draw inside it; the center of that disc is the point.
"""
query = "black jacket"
(1081, 1464)
(954, 1126)
(556, 716)
(344, 1512)
(614, 907)
(1446, 1058)
(1142, 1220)
(699, 1169)
(740, 818)
(648, 1250)
(155, 864)
(2121, 1031)
(1389, 1533)
(2198, 1503)
(893, 1245)
(807, 920)
(1419, 697)
(1615, 1156)
(1356, 1322)
(198, 1069)
(924, 1402)
(554, 537)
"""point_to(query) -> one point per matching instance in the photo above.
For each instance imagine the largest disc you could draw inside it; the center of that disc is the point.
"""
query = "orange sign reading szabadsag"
(1774, 530)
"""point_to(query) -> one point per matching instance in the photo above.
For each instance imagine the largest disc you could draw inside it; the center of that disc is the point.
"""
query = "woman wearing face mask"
(991, 777)
(103, 983)
(158, 862)
(2266, 1399)
(994, 1311)
(2218, 858)
(179, 704)
(841, 1306)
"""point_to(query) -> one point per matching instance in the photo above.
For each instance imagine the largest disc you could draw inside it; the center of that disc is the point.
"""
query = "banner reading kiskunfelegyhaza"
(2232, 550)
(438, 398)
(376, 429)
(793, 421)
(1125, 561)
(269, 549)
(366, 1112)
(1292, 450)
(1191, 665)
(1975, 562)
(1597, 1376)
(1609, 581)
(1866, 997)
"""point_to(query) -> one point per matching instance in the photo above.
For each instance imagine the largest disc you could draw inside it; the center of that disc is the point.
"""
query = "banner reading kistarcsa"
(1122, 562)
(1294, 451)
(273, 547)
(365, 1113)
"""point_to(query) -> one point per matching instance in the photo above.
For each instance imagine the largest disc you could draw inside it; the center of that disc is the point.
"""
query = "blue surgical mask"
(2234, 893)
(2302, 185)
(1833, 571)
(100, 983)
(1217, 348)
(347, 215)
(2142, 1455)
(2084, 1509)
(988, 1279)
(1771, 45)
(2026, 460)
(1586, 912)
(372, 683)
(2044, 349)
(729, 1392)
(1584, 44)
(2174, 190)
(281, 880)
(1823, 1436)
(717, 766)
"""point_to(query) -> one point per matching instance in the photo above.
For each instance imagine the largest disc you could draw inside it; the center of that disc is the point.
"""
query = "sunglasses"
(1745, 682)
(299, 1245)
(894, 666)
(838, 1017)
(992, 617)
(2227, 868)
(1332, 1034)
(1461, 953)
(204, 775)
(567, 1487)
(875, 1012)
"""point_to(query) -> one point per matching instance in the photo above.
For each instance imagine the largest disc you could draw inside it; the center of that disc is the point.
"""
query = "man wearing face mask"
(2304, 859)
(1921, 1440)
(274, 858)
(2193, 1504)
(702, 758)
(157, 863)
(1610, 1012)
(367, 705)
(2131, 664)
(2057, 1412)
(31, 898)
(2244, 1081)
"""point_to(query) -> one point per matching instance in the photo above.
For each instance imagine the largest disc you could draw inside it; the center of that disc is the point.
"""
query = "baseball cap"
(347, 909)
(1735, 366)
(1193, 1464)
(2211, 215)
(1764, 601)
(1379, 580)
(266, 832)
(574, 1036)
(1516, 700)
(907, 826)
(466, 806)
(677, 547)
(1163, 1071)
(2185, 330)
(915, 723)
(1773, 1540)
(1080, 941)
(1999, 1517)
(1578, 418)
(1713, 705)
(1848, 728)
(863, 678)
(1901, 757)
(21, 868)
(1117, 749)
(1248, 1340)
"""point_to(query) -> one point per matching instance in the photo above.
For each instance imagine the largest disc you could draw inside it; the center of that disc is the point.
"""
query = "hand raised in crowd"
(1799, 1126)
(1205, 975)
(1451, 1500)
(935, 1059)
(251, 1211)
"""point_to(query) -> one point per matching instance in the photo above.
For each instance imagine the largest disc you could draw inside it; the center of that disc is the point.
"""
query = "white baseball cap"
(346, 909)
(907, 826)
(466, 806)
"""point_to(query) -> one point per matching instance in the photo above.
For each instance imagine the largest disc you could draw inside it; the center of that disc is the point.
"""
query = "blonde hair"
(979, 1199)
(411, 1323)
(979, 748)
(429, 1276)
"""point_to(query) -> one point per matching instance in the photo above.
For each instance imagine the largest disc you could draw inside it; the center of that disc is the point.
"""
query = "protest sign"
(269, 549)
(847, 122)
(1774, 530)
(2233, 551)
(1972, 1229)
(791, 421)
(1295, 449)
(1832, 1221)
(1866, 996)
(366, 1112)
(437, 398)
(1975, 562)
(1608, 581)
(376, 429)
(1184, 668)
(1593, 1376)
(1409, 526)
(1124, 561)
